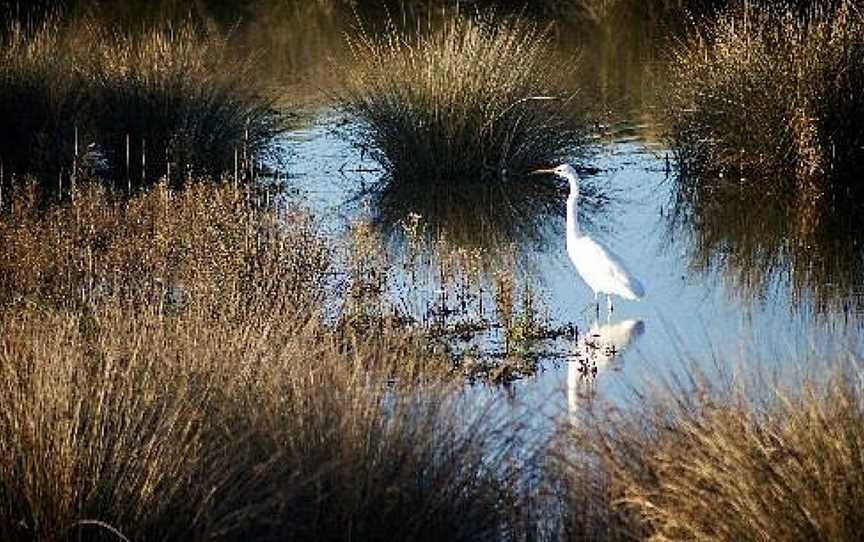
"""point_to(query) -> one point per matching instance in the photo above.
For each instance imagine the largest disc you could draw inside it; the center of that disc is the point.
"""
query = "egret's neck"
(573, 215)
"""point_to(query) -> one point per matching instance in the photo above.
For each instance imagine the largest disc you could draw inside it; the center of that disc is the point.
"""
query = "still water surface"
(692, 315)
(726, 286)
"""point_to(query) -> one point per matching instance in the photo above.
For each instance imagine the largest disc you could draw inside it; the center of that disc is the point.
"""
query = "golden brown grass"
(477, 100)
(133, 105)
(771, 96)
(782, 463)
(166, 373)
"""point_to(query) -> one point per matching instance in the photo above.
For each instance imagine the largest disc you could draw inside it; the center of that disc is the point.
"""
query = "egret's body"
(601, 269)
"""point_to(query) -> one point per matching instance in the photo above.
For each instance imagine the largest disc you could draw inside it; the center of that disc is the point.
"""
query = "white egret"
(599, 267)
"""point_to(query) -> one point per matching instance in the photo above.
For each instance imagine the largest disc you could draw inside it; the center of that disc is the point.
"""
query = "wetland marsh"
(280, 270)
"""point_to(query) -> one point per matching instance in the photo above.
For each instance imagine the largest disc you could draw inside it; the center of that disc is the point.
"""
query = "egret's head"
(565, 171)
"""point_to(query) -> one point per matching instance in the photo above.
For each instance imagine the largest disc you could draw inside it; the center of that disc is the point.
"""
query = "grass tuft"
(80, 97)
(473, 101)
(41, 99)
(181, 98)
(168, 373)
(773, 97)
(738, 464)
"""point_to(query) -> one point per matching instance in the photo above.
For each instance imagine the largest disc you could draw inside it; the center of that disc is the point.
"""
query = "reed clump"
(41, 98)
(81, 97)
(732, 464)
(167, 372)
(181, 99)
(771, 96)
(476, 100)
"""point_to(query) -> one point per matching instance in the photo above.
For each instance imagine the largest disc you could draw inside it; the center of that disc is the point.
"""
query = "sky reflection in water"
(692, 313)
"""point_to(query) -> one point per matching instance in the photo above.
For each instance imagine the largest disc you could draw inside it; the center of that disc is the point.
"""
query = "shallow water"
(729, 310)
(691, 316)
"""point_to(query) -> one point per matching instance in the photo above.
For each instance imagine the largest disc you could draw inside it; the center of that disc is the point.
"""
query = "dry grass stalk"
(167, 373)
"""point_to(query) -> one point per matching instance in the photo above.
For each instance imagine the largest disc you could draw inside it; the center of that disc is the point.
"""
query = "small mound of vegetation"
(737, 463)
(774, 97)
(42, 97)
(474, 101)
(180, 98)
(80, 97)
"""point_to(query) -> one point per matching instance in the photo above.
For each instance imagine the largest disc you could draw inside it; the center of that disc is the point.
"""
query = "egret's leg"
(597, 304)
(609, 303)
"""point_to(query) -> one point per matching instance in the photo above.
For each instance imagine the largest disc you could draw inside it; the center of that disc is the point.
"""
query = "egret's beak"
(542, 171)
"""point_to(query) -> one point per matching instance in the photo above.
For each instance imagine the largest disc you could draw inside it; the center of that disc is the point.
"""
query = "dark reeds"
(133, 107)
(182, 100)
(42, 98)
(772, 97)
(478, 100)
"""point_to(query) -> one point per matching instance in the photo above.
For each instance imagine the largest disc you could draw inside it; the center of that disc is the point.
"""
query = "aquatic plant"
(770, 97)
(733, 461)
(180, 98)
(475, 101)
(41, 98)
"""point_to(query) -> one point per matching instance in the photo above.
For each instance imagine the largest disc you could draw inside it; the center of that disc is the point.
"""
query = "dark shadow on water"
(767, 244)
(514, 218)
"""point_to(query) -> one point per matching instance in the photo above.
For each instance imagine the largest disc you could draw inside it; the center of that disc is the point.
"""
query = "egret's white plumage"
(601, 269)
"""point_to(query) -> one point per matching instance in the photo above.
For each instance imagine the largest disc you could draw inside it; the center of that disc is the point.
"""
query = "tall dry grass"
(477, 100)
(41, 99)
(80, 96)
(166, 373)
(734, 462)
(771, 96)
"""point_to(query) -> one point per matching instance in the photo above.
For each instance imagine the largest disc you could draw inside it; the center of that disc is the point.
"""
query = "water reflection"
(598, 350)
(504, 221)
(763, 244)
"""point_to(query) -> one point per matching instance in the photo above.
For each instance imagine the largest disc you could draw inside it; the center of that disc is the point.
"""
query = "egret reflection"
(598, 350)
